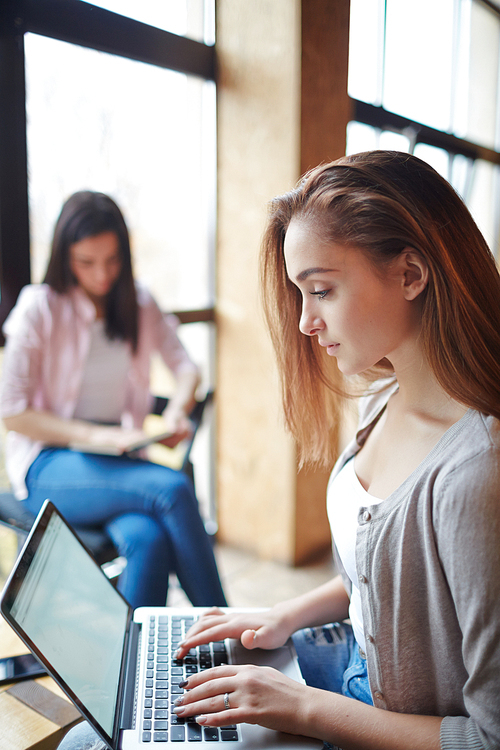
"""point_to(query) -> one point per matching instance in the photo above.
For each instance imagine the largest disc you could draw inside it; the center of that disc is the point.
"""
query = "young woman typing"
(375, 262)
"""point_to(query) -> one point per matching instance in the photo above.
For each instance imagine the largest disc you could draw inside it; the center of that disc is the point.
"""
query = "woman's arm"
(273, 627)
(324, 604)
(183, 398)
(48, 428)
(54, 430)
(161, 330)
(180, 404)
(261, 695)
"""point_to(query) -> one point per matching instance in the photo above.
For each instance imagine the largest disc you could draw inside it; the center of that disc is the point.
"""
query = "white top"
(346, 495)
(104, 383)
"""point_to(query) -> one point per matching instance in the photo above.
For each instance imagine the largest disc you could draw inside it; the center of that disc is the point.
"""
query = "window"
(141, 133)
(109, 103)
(432, 92)
(91, 98)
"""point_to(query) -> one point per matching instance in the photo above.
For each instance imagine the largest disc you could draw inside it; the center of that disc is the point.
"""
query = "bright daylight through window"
(444, 75)
(145, 135)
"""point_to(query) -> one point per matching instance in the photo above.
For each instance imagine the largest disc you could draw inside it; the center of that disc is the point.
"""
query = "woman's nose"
(309, 323)
(103, 273)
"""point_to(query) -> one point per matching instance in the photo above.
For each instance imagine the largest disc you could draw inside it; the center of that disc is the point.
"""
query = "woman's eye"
(320, 295)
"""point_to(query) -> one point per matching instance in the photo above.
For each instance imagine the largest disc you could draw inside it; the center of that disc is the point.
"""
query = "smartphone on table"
(23, 667)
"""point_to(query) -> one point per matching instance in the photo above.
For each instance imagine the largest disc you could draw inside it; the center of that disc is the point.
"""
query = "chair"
(16, 516)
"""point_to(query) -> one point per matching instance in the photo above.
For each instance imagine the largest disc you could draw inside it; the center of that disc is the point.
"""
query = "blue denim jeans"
(330, 659)
(149, 511)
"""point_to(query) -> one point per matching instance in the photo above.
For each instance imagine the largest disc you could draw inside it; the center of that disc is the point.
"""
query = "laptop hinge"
(131, 675)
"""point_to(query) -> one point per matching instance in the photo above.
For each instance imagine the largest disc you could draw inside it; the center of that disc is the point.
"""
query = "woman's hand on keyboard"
(256, 695)
(267, 629)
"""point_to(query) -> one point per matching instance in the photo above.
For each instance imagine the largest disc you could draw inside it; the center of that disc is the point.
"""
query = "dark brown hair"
(87, 214)
(383, 202)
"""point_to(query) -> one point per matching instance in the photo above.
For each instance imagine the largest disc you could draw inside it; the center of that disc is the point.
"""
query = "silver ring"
(226, 701)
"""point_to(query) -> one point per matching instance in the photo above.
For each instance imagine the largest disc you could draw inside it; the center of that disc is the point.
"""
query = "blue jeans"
(330, 659)
(149, 511)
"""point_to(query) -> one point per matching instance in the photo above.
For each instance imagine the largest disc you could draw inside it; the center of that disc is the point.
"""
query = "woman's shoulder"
(465, 472)
(33, 300)
(40, 295)
(476, 440)
(39, 304)
(463, 481)
(34, 294)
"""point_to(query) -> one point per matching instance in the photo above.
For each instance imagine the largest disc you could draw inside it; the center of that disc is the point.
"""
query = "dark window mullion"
(380, 118)
(205, 315)
(87, 25)
(14, 216)
(492, 5)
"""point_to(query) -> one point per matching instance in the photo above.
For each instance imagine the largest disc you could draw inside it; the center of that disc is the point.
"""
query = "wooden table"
(23, 727)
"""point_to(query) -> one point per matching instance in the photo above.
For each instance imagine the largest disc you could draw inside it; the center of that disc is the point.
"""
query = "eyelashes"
(320, 295)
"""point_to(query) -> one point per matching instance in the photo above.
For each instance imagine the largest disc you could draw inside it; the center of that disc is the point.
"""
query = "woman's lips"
(331, 349)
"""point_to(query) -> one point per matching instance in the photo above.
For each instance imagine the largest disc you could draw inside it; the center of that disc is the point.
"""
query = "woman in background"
(375, 262)
(76, 370)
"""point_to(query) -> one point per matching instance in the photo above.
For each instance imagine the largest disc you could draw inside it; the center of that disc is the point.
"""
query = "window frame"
(86, 25)
(382, 120)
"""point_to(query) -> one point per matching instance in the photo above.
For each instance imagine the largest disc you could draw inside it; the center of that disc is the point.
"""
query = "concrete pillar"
(271, 90)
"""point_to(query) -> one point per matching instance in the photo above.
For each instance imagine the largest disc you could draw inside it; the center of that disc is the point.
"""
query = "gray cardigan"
(428, 563)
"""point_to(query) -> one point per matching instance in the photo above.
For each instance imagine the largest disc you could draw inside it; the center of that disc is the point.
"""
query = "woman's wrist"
(289, 615)
(327, 603)
(176, 410)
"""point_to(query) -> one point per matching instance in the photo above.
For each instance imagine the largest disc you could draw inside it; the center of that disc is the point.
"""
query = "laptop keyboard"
(163, 675)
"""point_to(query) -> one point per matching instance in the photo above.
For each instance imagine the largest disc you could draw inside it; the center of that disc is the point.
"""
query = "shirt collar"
(83, 306)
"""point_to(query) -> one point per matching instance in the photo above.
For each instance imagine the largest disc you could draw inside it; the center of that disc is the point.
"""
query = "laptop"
(114, 663)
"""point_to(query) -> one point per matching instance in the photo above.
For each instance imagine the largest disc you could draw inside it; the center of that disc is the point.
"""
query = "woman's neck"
(422, 396)
(100, 310)
(416, 417)
(98, 302)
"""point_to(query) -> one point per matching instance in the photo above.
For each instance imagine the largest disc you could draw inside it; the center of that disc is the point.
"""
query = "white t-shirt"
(346, 495)
(103, 391)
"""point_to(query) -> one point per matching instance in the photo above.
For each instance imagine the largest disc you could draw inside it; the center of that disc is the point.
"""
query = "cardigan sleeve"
(467, 527)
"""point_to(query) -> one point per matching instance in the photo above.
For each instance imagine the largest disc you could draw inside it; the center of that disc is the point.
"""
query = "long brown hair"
(87, 214)
(383, 202)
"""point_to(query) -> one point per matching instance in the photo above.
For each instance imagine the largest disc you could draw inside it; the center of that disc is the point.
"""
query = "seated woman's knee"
(133, 530)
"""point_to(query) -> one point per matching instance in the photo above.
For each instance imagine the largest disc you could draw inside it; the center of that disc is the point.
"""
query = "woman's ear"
(415, 273)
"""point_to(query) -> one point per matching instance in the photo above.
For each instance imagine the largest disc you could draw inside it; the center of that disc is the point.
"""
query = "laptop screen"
(75, 618)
